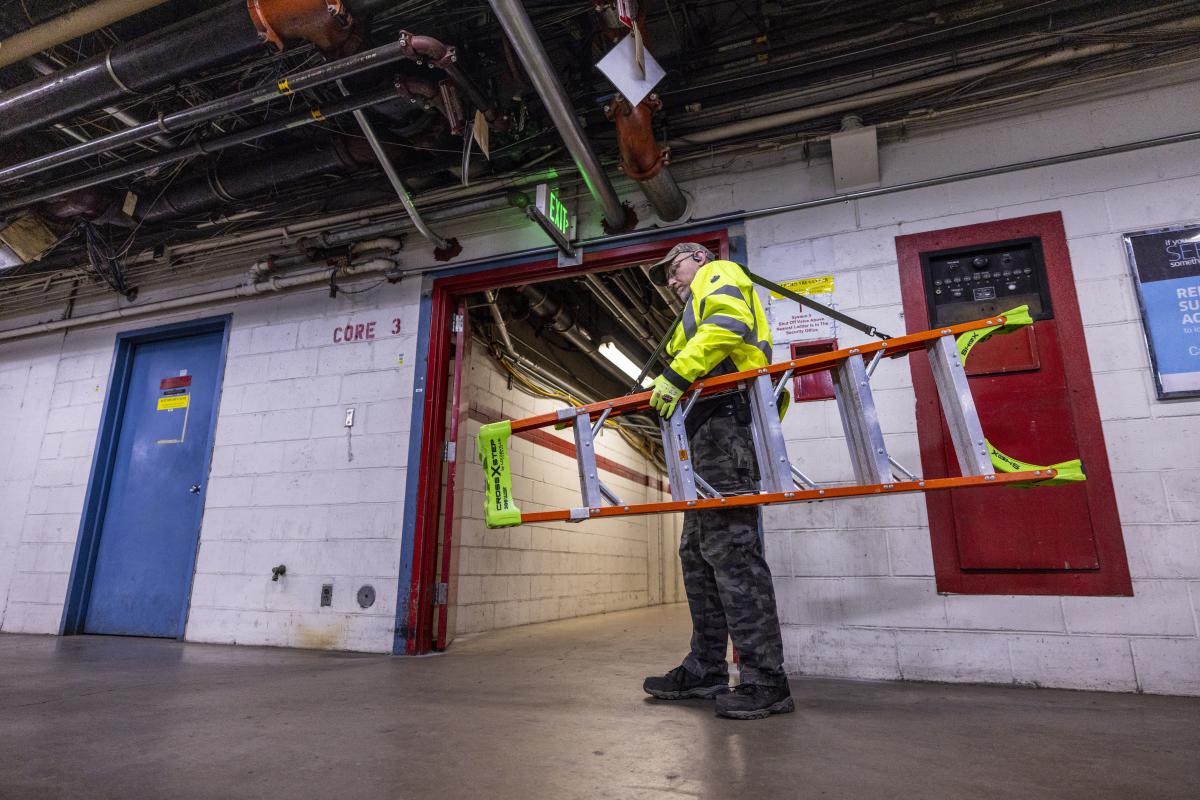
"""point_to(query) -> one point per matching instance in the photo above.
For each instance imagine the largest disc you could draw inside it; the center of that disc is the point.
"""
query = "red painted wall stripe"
(559, 445)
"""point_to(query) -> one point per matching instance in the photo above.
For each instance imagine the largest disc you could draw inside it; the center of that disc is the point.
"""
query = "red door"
(1036, 402)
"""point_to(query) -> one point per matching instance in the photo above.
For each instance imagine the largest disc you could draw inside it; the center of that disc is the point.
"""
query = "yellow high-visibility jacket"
(722, 319)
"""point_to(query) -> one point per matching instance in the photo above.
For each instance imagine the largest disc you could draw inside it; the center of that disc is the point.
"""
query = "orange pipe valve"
(327, 24)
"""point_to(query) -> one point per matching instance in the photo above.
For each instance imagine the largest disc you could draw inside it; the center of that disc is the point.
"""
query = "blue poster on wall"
(1166, 270)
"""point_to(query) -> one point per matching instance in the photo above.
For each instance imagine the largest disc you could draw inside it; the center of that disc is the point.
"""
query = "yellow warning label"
(820, 284)
(168, 403)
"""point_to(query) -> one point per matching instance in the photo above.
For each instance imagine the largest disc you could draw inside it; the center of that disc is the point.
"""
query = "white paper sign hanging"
(620, 67)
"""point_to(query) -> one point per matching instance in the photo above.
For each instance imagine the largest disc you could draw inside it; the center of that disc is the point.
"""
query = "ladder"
(781, 481)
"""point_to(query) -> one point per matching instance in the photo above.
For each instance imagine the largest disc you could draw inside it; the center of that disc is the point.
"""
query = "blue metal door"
(142, 576)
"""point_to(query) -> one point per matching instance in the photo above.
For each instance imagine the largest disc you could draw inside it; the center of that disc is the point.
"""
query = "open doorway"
(521, 340)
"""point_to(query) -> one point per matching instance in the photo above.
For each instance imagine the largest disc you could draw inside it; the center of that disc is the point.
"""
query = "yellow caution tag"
(283, 87)
(821, 284)
(317, 115)
(169, 403)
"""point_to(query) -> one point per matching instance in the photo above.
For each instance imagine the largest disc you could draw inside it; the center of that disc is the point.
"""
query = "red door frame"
(1112, 578)
(446, 295)
(461, 348)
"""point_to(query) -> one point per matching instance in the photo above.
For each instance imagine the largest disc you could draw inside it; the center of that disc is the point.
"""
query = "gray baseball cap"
(658, 270)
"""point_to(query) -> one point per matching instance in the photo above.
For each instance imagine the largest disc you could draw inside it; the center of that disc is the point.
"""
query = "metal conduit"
(536, 252)
(1022, 63)
(519, 30)
(273, 284)
(498, 319)
(610, 302)
(181, 120)
(43, 66)
(71, 25)
(448, 247)
(201, 148)
(223, 33)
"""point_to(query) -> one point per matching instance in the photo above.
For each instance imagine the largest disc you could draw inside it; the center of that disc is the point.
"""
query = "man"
(728, 583)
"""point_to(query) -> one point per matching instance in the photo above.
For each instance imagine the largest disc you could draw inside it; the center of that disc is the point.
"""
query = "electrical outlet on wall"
(326, 594)
(349, 417)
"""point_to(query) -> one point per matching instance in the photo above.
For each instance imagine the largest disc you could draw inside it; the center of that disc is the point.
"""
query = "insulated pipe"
(716, 219)
(445, 57)
(545, 306)
(201, 148)
(71, 25)
(43, 67)
(223, 33)
(325, 240)
(643, 159)
(665, 196)
(1019, 63)
(181, 120)
(245, 290)
(444, 249)
(230, 181)
(519, 30)
(498, 319)
(614, 307)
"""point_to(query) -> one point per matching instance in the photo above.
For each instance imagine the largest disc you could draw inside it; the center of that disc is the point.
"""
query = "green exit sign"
(552, 215)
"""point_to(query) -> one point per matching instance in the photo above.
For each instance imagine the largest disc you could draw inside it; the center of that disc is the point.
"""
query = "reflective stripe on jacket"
(722, 318)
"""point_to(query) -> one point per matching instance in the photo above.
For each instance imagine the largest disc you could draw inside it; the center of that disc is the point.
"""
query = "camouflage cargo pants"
(728, 583)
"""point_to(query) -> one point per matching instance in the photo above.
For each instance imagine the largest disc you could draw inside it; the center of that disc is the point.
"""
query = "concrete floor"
(547, 711)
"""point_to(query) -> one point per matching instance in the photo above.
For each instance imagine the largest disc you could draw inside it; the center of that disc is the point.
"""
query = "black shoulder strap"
(820, 308)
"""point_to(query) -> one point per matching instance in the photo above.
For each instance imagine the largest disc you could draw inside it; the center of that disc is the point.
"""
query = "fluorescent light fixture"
(620, 360)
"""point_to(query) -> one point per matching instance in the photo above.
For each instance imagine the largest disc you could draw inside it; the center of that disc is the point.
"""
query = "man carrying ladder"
(728, 582)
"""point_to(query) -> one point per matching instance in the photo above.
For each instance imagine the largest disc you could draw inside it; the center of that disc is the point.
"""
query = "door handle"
(195, 488)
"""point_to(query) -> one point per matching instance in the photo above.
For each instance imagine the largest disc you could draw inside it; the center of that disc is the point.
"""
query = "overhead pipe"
(716, 219)
(643, 159)
(435, 53)
(72, 25)
(227, 32)
(613, 305)
(201, 148)
(1021, 63)
(519, 30)
(443, 249)
(43, 66)
(545, 306)
(223, 33)
(271, 284)
(489, 296)
(231, 181)
(194, 115)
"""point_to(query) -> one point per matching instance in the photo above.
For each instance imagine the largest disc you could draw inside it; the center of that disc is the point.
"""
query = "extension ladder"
(875, 472)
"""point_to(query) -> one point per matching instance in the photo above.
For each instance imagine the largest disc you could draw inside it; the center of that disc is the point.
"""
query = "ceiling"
(737, 74)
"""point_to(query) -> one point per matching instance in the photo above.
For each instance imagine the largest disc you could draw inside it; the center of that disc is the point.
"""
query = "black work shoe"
(679, 684)
(753, 701)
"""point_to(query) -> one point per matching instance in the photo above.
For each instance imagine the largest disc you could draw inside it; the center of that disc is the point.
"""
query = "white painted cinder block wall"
(283, 488)
(855, 578)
